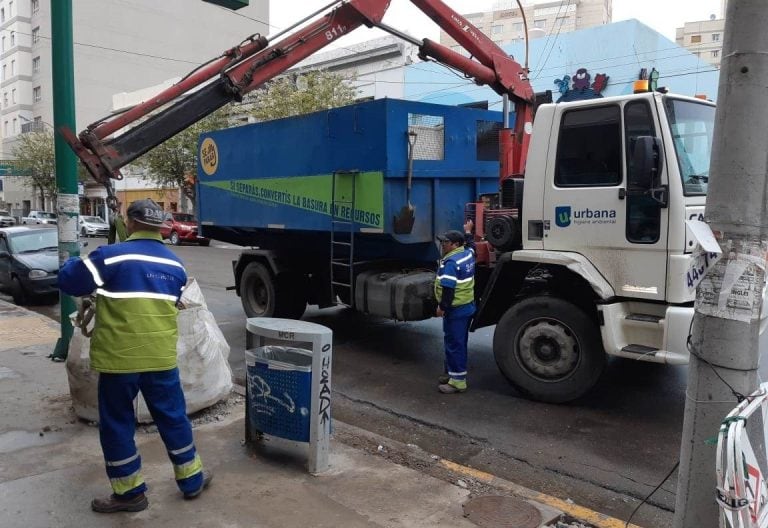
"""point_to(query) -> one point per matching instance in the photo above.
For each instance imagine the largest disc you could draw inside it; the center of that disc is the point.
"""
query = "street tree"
(172, 164)
(34, 156)
(300, 94)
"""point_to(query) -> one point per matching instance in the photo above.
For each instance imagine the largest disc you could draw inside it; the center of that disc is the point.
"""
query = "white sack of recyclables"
(202, 354)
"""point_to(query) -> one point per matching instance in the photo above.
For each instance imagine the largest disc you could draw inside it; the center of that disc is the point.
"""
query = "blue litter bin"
(288, 388)
(280, 386)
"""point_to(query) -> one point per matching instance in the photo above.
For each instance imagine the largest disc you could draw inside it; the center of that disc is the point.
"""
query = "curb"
(425, 460)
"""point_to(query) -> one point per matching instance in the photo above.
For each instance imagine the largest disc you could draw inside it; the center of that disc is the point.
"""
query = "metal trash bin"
(279, 385)
(288, 388)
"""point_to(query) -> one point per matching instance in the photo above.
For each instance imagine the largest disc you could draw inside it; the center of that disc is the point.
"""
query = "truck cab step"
(641, 350)
(644, 318)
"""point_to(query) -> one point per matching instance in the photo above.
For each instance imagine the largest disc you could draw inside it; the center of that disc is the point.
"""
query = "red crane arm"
(104, 149)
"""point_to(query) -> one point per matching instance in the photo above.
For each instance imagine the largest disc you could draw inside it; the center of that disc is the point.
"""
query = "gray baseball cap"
(146, 212)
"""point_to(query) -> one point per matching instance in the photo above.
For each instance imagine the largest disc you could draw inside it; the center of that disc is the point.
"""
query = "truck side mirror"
(646, 164)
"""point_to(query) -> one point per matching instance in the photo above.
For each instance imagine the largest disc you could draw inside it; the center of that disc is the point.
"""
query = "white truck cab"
(605, 250)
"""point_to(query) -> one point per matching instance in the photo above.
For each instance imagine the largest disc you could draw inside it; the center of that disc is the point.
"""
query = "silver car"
(93, 226)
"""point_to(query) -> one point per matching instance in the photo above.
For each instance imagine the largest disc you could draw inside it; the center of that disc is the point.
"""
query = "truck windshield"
(691, 126)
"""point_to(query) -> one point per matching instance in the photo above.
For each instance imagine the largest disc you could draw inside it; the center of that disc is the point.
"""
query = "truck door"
(590, 209)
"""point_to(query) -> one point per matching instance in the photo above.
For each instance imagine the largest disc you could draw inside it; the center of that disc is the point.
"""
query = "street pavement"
(51, 466)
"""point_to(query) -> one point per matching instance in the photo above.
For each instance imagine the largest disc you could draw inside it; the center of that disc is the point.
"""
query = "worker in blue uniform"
(138, 285)
(455, 294)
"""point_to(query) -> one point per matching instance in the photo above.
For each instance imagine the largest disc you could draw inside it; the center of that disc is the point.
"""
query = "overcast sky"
(662, 15)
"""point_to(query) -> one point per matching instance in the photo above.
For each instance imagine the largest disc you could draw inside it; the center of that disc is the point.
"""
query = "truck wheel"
(549, 349)
(174, 238)
(263, 296)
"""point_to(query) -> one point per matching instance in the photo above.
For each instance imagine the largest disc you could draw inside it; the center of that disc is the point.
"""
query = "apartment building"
(504, 24)
(119, 46)
(704, 38)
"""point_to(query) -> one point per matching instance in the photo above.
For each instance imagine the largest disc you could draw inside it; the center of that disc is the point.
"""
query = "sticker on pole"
(733, 286)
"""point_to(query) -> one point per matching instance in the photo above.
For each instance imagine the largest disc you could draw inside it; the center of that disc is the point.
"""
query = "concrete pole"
(67, 201)
(736, 208)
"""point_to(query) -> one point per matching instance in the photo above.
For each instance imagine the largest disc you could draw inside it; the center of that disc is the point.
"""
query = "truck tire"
(263, 296)
(549, 349)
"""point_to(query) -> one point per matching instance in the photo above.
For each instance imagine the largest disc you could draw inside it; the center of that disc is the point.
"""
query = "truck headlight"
(37, 274)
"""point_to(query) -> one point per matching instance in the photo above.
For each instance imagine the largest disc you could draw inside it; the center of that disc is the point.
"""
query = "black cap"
(146, 212)
(457, 237)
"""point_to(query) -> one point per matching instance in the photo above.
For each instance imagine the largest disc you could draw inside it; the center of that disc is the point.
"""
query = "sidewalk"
(51, 466)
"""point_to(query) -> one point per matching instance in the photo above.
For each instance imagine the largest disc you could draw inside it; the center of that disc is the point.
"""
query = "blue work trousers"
(117, 425)
(456, 323)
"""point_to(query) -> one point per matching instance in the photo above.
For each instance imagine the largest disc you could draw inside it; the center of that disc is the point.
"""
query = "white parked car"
(39, 217)
(6, 220)
(93, 226)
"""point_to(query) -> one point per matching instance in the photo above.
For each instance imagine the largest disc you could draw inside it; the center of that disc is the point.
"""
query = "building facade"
(504, 24)
(118, 46)
(704, 38)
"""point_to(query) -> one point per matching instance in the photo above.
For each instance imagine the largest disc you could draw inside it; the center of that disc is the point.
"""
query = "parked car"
(29, 263)
(93, 226)
(39, 217)
(182, 227)
(6, 219)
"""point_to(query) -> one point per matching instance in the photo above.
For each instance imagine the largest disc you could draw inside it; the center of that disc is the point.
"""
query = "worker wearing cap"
(455, 293)
(138, 284)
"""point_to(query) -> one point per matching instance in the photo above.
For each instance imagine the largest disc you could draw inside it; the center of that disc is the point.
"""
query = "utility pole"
(68, 201)
(736, 212)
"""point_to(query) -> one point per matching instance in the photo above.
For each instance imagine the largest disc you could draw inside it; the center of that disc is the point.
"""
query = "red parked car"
(182, 227)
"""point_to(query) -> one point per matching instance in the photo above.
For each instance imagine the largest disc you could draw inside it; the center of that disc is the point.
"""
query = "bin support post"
(320, 423)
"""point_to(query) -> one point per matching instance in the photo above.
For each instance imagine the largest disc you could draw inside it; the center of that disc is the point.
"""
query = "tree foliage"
(173, 163)
(34, 154)
(301, 94)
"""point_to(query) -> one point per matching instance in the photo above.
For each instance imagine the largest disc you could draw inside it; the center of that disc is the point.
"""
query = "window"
(2, 46)
(5, 68)
(715, 53)
(10, 9)
(542, 23)
(15, 126)
(37, 94)
(36, 65)
(13, 96)
(35, 35)
(589, 148)
(35, 6)
(5, 128)
(497, 29)
(643, 212)
(715, 37)
(5, 98)
(517, 26)
(2, 14)
(13, 38)
(695, 39)
(430, 131)
(13, 68)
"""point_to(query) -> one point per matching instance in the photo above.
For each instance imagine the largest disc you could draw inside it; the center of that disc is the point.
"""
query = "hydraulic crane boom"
(104, 149)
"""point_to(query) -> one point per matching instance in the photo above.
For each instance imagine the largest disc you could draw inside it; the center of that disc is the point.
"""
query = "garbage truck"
(582, 244)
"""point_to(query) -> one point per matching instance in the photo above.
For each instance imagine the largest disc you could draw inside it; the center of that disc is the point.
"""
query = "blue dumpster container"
(279, 382)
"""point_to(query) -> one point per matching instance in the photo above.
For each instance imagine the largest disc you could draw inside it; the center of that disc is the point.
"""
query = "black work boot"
(116, 503)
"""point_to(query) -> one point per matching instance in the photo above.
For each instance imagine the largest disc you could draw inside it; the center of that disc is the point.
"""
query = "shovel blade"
(404, 220)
